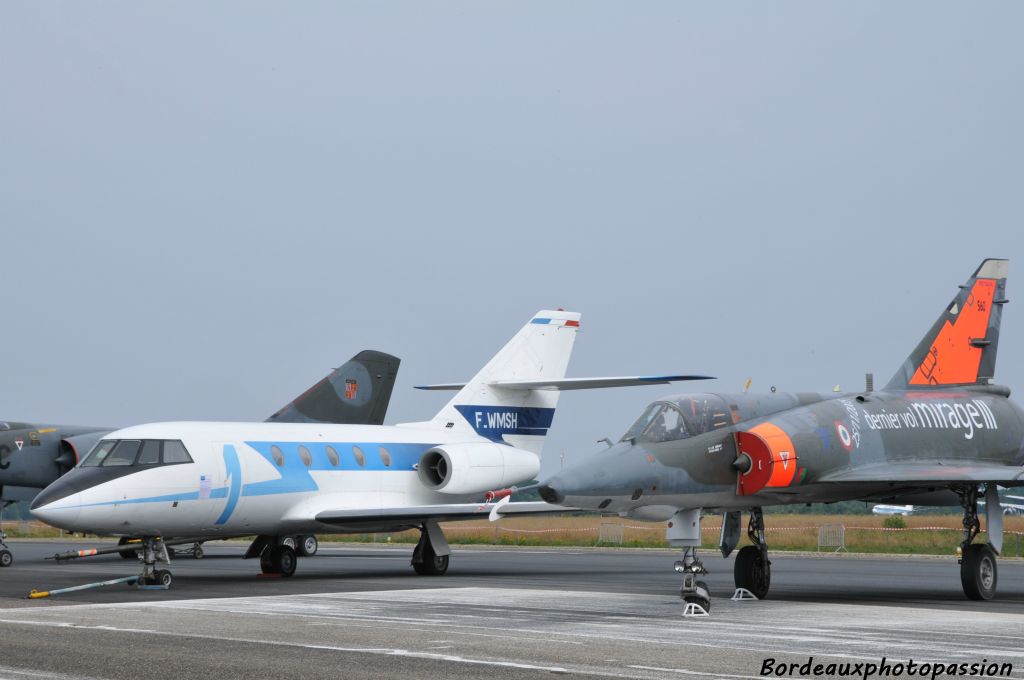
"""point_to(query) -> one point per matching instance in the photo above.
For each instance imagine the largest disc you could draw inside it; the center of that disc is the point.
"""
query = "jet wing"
(563, 384)
(919, 473)
(441, 513)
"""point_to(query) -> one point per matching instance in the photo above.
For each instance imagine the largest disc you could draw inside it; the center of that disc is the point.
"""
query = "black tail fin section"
(960, 348)
(358, 393)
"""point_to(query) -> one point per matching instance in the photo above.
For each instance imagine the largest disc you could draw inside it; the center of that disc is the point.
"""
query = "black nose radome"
(550, 494)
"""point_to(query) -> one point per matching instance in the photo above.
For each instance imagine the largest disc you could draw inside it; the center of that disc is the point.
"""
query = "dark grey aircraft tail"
(357, 393)
(960, 348)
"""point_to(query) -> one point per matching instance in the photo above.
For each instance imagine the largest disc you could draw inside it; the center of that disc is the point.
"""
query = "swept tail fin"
(960, 348)
(357, 393)
(520, 417)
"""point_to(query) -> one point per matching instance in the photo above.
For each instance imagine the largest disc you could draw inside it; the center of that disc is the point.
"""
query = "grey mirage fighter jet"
(32, 456)
(939, 433)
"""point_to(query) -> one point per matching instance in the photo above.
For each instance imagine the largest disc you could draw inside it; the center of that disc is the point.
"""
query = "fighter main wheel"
(978, 572)
(127, 554)
(753, 571)
(6, 557)
(308, 546)
(282, 560)
(432, 564)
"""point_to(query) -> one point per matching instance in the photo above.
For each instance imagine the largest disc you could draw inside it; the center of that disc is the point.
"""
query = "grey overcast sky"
(206, 206)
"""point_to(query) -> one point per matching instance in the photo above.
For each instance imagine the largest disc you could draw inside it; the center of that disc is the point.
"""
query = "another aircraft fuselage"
(743, 450)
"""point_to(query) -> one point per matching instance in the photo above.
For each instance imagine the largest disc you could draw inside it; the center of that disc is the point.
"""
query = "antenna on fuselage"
(746, 385)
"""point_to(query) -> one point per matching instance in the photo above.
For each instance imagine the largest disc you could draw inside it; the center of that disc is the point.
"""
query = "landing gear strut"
(978, 572)
(693, 591)
(154, 550)
(684, 532)
(752, 569)
(430, 558)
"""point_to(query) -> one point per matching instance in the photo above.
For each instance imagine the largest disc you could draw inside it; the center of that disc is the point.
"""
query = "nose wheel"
(153, 551)
(693, 591)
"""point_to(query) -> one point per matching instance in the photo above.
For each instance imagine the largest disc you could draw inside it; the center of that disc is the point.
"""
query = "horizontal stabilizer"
(442, 513)
(563, 384)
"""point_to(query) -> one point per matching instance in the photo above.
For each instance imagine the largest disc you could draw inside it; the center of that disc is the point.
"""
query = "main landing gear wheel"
(280, 559)
(753, 571)
(432, 563)
(978, 571)
(307, 546)
(127, 554)
(6, 557)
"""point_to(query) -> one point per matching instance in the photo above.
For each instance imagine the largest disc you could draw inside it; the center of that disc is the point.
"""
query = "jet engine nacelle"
(72, 449)
(475, 468)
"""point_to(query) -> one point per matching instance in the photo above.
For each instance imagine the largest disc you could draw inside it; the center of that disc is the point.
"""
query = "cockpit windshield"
(661, 422)
(136, 452)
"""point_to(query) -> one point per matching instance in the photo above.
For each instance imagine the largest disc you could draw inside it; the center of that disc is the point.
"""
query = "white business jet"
(204, 480)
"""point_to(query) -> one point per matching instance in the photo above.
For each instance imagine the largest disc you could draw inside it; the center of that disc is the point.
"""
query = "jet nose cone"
(58, 514)
(58, 504)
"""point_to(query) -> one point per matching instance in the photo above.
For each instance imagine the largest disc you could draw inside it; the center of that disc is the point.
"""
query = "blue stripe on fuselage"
(294, 473)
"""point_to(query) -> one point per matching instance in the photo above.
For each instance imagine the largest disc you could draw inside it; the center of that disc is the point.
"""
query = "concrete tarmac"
(360, 612)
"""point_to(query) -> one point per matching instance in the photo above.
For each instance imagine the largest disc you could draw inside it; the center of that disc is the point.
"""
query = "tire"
(266, 563)
(290, 541)
(127, 554)
(979, 574)
(163, 578)
(197, 552)
(6, 557)
(702, 597)
(432, 564)
(283, 560)
(753, 571)
(308, 545)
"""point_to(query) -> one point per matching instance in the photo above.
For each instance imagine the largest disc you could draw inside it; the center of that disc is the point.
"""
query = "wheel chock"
(743, 595)
(692, 609)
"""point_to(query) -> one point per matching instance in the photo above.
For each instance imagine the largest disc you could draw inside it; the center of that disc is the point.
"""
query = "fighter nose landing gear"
(683, 531)
(752, 571)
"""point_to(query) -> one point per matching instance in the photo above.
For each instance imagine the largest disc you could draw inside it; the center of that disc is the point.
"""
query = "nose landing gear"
(154, 550)
(693, 591)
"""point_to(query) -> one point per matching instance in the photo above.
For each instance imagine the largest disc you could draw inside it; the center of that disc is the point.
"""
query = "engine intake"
(475, 468)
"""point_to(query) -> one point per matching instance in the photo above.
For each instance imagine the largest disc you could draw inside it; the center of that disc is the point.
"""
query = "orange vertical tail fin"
(960, 348)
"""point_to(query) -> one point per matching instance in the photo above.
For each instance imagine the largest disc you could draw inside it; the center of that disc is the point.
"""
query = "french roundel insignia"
(844, 436)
